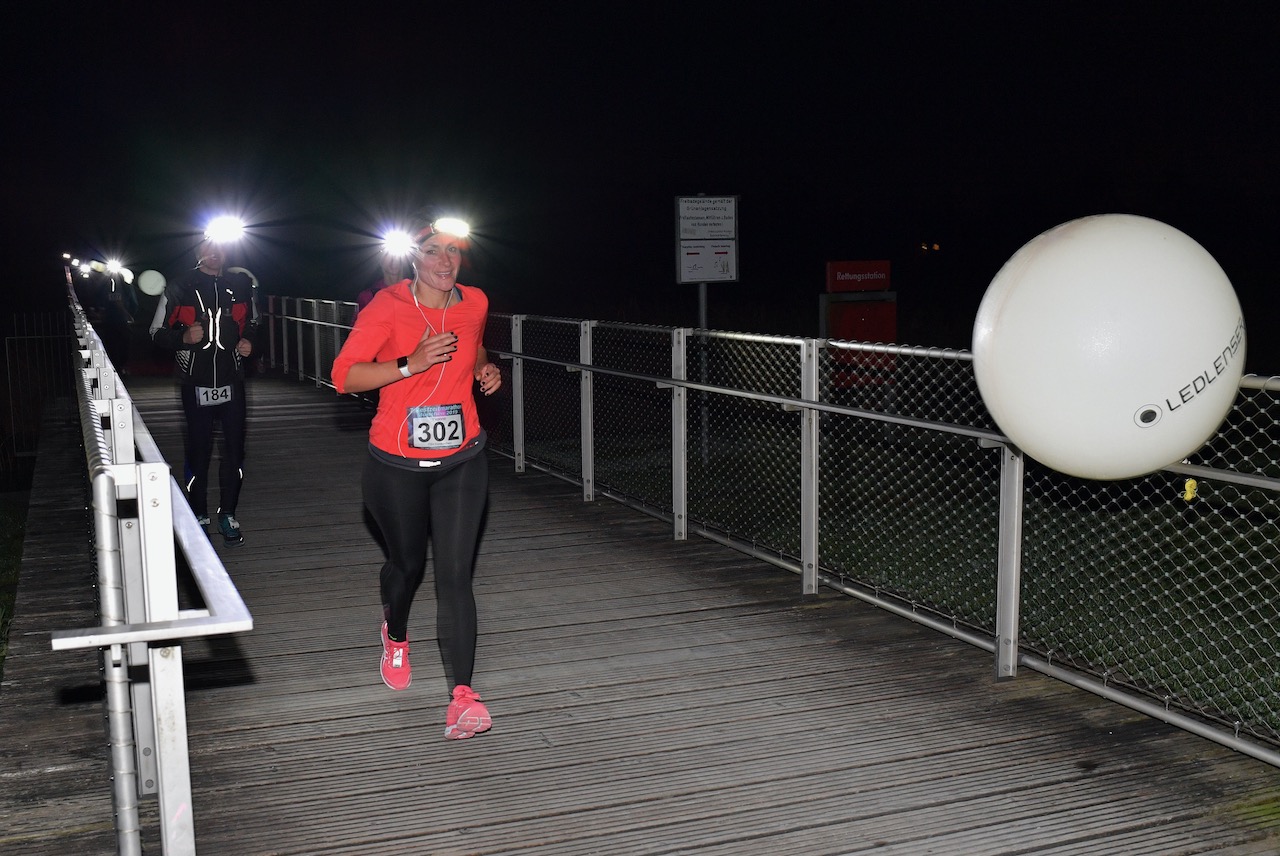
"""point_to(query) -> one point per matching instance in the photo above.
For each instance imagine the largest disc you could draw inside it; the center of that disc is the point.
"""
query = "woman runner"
(418, 342)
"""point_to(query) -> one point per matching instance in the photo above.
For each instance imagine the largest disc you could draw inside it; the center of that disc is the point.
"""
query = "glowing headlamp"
(448, 226)
(224, 229)
(114, 268)
(400, 243)
(397, 243)
(111, 268)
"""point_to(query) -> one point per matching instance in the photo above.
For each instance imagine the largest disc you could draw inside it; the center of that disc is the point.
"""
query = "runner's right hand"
(432, 349)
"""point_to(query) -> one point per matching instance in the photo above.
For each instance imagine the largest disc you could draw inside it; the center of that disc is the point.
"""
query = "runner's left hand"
(489, 377)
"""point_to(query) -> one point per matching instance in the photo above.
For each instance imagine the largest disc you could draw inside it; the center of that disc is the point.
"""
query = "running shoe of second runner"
(230, 529)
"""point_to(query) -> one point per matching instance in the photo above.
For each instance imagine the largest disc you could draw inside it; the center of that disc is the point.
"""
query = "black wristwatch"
(403, 365)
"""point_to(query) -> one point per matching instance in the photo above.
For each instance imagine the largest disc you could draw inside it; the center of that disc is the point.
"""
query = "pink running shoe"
(466, 716)
(395, 662)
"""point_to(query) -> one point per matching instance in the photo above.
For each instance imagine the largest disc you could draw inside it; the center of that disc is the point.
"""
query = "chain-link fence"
(876, 470)
(38, 363)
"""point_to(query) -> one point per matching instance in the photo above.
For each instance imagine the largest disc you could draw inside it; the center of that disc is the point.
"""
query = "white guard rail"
(139, 510)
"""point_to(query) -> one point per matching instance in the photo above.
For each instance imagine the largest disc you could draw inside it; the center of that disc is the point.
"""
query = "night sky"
(565, 131)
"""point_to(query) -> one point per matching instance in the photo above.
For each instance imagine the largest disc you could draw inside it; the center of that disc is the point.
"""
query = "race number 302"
(208, 396)
(436, 426)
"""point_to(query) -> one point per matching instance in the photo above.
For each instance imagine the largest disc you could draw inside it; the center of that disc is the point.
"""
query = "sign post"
(706, 243)
(706, 251)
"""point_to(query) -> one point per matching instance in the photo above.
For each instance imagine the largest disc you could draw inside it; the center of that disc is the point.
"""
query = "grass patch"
(13, 523)
(1262, 811)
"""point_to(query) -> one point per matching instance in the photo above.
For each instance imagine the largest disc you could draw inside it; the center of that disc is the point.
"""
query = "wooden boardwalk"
(648, 696)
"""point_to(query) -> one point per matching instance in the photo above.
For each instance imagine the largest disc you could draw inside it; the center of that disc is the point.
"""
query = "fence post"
(115, 668)
(679, 436)
(335, 331)
(1009, 573)
(809, 472)
(118, 428)
(317, 333)
(169, 710)
(309, 315)
(586, 386)
(284, 334)
(129, 522)
(301, 337)
(517, 391)
(270, 330)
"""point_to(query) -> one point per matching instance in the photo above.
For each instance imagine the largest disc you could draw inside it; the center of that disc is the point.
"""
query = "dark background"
(564, 132)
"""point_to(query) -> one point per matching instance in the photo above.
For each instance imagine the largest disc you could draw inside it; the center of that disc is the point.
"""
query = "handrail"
(225, 611)
(139, 510)
(785, 401)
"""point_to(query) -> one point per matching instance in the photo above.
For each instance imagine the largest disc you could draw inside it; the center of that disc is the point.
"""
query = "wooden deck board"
(649, 696)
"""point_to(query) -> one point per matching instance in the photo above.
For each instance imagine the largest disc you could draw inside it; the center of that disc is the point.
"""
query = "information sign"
(706, 239)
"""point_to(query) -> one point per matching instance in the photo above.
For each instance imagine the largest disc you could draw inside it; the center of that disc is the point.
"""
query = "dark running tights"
(200, 449)
(408, 506)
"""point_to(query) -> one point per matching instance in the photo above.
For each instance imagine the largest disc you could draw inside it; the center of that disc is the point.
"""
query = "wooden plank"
(649, 696)
(55, 786)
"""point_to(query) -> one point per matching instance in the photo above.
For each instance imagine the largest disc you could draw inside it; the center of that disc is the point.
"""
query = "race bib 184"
(436, 426)
(208, 396)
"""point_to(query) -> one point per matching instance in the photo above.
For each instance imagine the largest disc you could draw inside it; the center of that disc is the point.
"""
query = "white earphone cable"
(443, 315)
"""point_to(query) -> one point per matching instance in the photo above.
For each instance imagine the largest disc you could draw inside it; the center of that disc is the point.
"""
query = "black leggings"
(200, 449)
(408, 506)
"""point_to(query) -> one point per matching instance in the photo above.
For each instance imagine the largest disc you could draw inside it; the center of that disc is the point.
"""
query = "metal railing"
(877, 471)
(139, 511)
(303, 331)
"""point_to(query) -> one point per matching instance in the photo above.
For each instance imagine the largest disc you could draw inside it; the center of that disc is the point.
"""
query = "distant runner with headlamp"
(419, 343)
(210, 318)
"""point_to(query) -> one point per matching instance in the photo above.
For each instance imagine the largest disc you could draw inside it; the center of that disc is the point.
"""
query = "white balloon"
(151, 282)
(1109, 347)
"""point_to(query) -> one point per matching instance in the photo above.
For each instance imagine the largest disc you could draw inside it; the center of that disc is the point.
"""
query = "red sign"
(858, 276)
(863, 321)
(873, 321)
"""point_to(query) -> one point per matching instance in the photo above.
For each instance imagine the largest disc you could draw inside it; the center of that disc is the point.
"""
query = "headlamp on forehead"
(445, 226)
(451, 226)
(224, 229)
